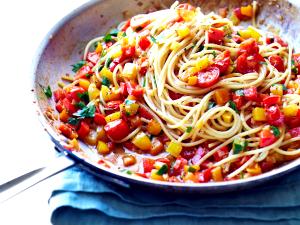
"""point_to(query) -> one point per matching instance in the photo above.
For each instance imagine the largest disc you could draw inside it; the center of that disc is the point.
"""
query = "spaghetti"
(189, 97)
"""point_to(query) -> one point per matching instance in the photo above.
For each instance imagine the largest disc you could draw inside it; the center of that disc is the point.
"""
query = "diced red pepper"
(271, 100)
(113, 64)
(144, 113)
(84, 129)
(238, 100)
(127, 53)
(215, 36)
(295, 132)
(83, 72)
(280, 41)
(223, 61)
(208, 77)
(114, 104)
(130, 146)
(117, 130)
(68, 106)
(67, 131)
(174, 95)
(296, 58)
(59, 106)
(277, 62)
(237, 12)
(273, 113)
(248, 63)
(266, 138)
(249, 46)
(148, 165)
(164, 160)
(75, 92)
(59, 94)
(251, 94)
(126, 25)
(178, 166)
(99, 119)
(134, 89)
(204, 176)
(93, 57)
(144, 43)
(187, 153)
(221, 153)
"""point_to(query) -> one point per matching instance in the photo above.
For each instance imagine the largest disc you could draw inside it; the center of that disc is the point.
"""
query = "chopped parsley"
(211, 104)
(153, 39)
(105, 81)
(189, 129)
(163, 169)
(214, 54)
(294, 68)
(239, 92)
(84, 96)
(275, 131)
(284, 88)
(47, 91)
(191, 169)
(73, 121)
(239, 145)
(78, 65)
(107, 38)
(80, 105)
(86, 112)
(108, 62)
(233, 106)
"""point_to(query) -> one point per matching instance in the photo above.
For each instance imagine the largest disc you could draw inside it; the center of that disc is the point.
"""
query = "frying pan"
(64, 45)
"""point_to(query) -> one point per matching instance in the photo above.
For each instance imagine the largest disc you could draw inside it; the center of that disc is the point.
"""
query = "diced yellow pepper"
(112, 117)
(175, 45)
(292, 84)
(290, 110)
(142, 141)
(183, 31)
(247, 10)
(105, 72)
(216, 174)
(109, 95)
(63, 116)
(93, 92)
(116, 52)
(277, 89)
(124, 41)
(187, 15)
(190, 177)
(254, 170)
(202, 64)
(259, 114)
(131, 107)
(254, 33)
(153, 127)
(235, 20)
(99, 48)
(102, 148)
(130, 71)
(192, 80)
(155, 176)
(174, 148)
(74, 144)
(245, 33)
(222, 96)
(84, 83)
(227, 117)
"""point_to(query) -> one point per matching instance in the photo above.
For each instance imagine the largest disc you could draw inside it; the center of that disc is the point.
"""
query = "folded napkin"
(80, 198)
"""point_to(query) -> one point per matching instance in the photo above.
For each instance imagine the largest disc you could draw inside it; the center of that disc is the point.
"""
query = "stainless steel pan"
(64, 44)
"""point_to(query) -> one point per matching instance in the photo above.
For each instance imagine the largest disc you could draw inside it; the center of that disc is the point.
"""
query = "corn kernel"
(227, 117)
(142, 141)
(192, 80)
(129, 71)
(183, 31)
(259, 114)
(175, 45)
(174, 148)
(112, 117)
(277, 89)
(84, 83)
(216, 174)
(290, 110)
(105, 72)
(102, 148)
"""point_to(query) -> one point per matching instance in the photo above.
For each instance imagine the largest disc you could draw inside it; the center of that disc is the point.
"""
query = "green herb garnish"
(189, 129)
(211, 104)
(107, 38)
(191, 169)
(73, 121)
(86, 112)
(105, 81)
(114, 32)
(239, 145)
(239, 92)
(275, 131)
(47, 91)
(80, 105)
(153, 39)
(84, 96)
(78, 65)
(162, 170)
(214, 54)
(233, 106)
(108, 62)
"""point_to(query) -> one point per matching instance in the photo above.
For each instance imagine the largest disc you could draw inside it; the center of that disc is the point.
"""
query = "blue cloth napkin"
(80, 198)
